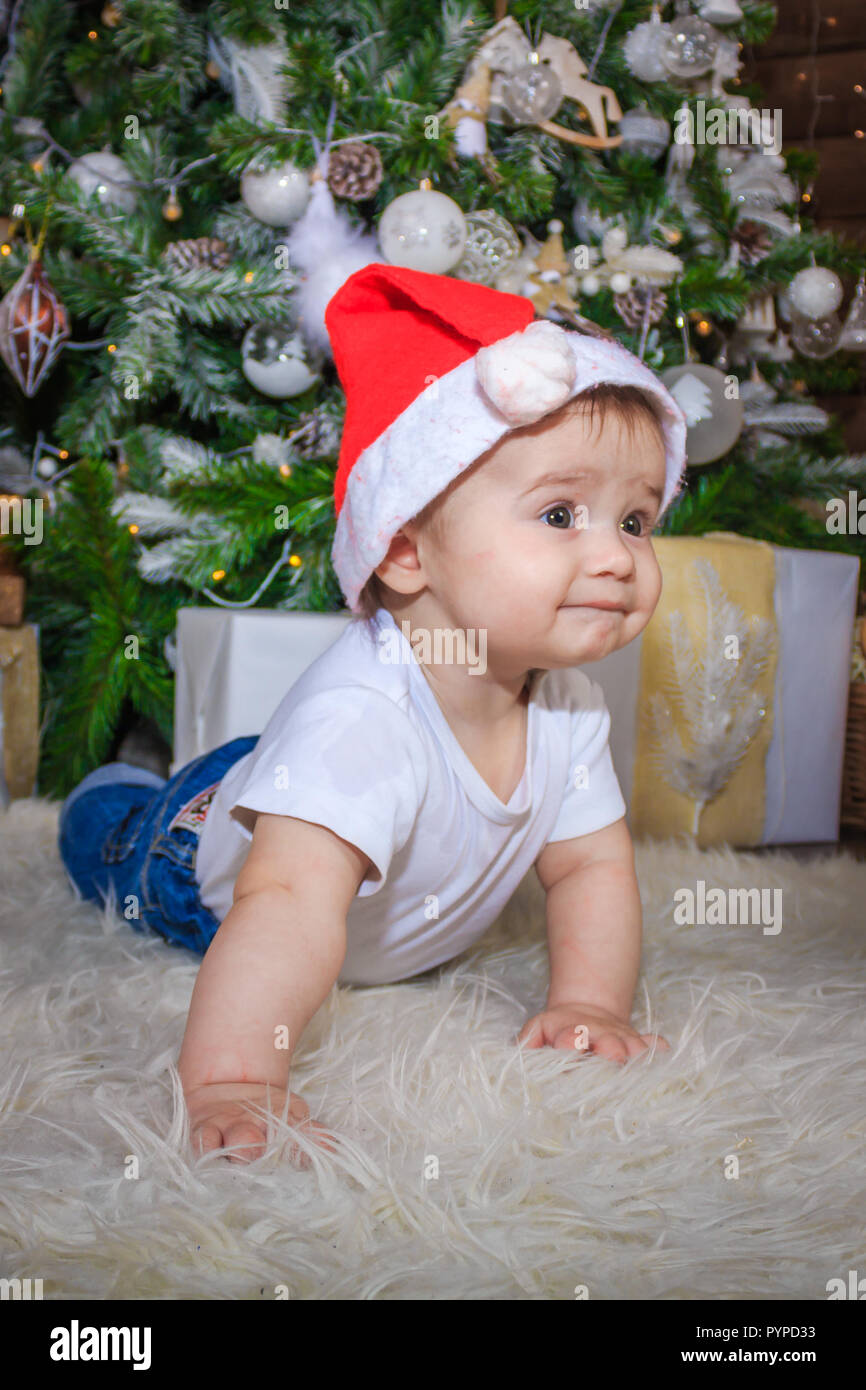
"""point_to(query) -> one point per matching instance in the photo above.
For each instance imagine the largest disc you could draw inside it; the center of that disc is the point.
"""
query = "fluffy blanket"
(731, 1167)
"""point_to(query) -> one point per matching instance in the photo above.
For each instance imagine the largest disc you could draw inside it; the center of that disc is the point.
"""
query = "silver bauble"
(90, 172)
(273, 358)
(714, 421)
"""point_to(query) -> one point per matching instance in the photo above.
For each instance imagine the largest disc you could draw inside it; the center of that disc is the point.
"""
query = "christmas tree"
(185, 185)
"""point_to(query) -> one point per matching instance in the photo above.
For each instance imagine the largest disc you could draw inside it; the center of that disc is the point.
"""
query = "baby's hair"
(629, 403)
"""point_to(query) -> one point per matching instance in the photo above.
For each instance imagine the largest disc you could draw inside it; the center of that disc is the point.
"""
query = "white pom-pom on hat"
(529, 373)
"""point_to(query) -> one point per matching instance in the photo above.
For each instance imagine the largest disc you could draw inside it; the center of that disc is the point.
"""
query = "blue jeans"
(128, 834)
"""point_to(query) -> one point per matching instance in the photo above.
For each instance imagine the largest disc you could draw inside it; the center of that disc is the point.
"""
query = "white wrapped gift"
(234, 666)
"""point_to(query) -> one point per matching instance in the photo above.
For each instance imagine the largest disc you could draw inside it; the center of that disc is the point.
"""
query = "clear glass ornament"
(492, 246)
(274, 359)
(853, 335)
(533, 93)
(691, 45)
(815, 337)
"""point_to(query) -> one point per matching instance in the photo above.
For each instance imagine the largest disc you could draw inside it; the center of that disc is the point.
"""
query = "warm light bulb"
(218, 575)
(285, 470)
(295, 560)
(133, 529)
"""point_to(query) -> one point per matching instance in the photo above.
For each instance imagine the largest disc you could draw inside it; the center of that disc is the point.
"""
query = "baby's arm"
(270, 965)
(594, 941)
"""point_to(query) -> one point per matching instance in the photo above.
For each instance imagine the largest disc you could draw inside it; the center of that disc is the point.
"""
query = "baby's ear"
(401, 568)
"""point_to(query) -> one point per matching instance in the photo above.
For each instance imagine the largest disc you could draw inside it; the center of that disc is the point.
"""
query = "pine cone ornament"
(753, 241)
(202, 253)
(354, 170)
(316, 433)
(639, 305)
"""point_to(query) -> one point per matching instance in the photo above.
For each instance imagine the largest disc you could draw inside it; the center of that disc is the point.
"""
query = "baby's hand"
(219, 1119)
(587, 1028)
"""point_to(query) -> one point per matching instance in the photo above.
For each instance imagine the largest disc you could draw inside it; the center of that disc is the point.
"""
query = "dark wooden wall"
(789, 74)
(786, 70)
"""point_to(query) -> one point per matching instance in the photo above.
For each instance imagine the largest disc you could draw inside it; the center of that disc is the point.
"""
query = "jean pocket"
(178, 846)
(120, 843)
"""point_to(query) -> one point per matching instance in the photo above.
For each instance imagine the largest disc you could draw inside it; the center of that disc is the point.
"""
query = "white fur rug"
(554, 1170)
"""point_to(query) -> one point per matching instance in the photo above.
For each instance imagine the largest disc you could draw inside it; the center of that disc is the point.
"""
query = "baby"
(498, 483)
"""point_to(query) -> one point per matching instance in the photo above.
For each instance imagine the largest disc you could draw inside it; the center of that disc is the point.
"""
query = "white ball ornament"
(276, 196)
(644, 133)
(590, 284)
(93, 172)
(273, 358)
(620, 282)
(423, 230)
(816, 292)
(714, 416)
(642, 49)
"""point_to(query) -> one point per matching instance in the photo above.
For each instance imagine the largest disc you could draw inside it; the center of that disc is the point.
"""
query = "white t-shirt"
(360, 744)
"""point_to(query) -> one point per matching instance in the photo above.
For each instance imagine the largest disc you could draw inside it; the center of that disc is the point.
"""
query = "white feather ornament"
(326, 247)
(527, 374)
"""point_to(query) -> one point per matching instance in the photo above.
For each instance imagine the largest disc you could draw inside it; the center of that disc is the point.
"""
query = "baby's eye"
(645, 521)
(563, 514)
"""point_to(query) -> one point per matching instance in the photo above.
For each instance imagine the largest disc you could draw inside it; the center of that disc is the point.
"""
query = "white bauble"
(423, 230)
(620, 282)
(89, 173)
(276, 196)
(816, 292)
(644, 133)
(590, 284)
(713, 421)
(642, 49)
(273, 358)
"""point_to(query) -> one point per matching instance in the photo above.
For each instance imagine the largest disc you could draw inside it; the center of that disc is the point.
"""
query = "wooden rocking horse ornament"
(576, 87)
(600, 103)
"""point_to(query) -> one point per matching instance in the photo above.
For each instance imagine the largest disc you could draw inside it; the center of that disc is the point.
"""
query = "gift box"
(793, 607)
(728, 712)
(233, 667)
(19, 711)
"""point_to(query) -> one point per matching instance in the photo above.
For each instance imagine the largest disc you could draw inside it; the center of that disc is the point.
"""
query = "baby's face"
(552, 520)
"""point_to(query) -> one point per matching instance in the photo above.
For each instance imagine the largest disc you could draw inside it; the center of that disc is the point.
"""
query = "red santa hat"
(435, 371)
